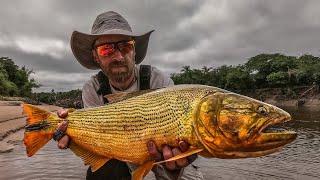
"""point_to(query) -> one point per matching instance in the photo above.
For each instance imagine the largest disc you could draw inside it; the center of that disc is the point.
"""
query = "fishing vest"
(144, 79)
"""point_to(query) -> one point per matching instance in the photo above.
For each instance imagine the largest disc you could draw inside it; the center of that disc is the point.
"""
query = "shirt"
(91, 98)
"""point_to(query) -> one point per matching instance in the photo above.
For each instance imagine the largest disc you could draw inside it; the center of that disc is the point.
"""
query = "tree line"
(261, 71)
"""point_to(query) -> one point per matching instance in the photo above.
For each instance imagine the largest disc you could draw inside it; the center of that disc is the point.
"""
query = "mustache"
(118, 64)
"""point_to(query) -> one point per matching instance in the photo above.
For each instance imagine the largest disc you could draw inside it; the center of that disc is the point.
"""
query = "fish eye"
(262, 110)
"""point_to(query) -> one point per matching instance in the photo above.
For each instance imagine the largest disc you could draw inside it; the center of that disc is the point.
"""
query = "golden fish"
(215, 122)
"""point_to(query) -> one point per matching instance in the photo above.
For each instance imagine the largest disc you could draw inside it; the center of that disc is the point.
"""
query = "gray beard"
(120, 77)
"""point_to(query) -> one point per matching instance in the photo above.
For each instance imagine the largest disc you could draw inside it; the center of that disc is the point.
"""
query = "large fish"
(215, 122)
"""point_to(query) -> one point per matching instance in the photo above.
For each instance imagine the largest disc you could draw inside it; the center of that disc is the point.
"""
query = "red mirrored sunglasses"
(108, 48)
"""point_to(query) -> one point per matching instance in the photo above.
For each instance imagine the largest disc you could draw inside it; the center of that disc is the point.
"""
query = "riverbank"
(298, 96)
(306, 102)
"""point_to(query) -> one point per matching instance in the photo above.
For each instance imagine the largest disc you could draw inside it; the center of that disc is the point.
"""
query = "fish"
(215, 122)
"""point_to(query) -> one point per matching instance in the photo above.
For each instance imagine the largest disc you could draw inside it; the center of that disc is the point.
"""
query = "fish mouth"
(263, 143)
(263, 140)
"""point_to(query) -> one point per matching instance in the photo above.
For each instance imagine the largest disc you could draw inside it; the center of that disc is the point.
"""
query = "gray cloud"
(198, 33)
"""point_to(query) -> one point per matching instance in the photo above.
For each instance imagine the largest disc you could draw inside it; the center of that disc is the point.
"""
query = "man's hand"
(64, 141)
(168, 152)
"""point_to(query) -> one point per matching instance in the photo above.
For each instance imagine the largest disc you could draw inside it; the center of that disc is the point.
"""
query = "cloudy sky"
(36, 33)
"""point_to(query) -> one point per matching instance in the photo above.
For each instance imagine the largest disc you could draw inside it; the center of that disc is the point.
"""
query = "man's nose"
(117, 55)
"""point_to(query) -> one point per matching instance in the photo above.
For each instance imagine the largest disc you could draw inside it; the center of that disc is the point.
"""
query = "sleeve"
(159, 79)
(90, 96)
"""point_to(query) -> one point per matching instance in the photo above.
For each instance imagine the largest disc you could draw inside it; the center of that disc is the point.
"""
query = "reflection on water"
(48, 163)
(299, 160)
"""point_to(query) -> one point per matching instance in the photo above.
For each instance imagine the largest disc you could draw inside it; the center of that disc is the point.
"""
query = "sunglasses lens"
(127, 46)
(105, 50)
(108, 49)
(130, 43)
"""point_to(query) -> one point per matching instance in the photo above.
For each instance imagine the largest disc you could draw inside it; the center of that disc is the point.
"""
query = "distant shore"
(305, 102)
(298, 96)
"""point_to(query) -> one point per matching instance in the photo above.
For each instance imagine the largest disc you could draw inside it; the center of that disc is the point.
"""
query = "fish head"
(230, 125)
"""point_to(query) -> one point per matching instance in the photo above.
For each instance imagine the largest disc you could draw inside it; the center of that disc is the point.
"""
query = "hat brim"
(81, 46)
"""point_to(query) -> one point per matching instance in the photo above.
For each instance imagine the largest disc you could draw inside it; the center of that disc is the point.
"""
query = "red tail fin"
(40, 126)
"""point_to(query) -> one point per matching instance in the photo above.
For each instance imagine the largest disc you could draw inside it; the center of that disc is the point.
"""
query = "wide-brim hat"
(108, 23)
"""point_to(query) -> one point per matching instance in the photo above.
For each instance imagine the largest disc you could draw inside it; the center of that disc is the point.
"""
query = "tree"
(265, 68)
(7, 87)
(238, 78)
(15, 81)
(192, 76)
(308, 70)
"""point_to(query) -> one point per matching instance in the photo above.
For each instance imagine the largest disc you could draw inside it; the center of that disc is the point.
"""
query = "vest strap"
(105, 89)
(145, 75)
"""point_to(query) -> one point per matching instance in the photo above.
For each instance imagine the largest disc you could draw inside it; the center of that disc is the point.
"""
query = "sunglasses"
(108, 48)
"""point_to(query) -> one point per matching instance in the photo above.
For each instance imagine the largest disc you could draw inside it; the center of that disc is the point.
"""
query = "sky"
(36, 33)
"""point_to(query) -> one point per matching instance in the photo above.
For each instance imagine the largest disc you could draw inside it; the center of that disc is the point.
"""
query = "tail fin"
(40, 126)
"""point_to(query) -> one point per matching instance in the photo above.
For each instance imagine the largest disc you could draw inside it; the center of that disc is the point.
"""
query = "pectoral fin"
(142, 170)
(185, 154)
(89, 158)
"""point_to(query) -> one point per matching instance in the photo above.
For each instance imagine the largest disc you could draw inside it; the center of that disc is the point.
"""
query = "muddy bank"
(298, 96)
(306, 102)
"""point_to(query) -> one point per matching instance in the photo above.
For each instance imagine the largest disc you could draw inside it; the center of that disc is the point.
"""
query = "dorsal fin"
(112, 98)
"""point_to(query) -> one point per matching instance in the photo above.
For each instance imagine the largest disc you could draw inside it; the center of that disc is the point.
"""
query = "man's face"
(118, 66)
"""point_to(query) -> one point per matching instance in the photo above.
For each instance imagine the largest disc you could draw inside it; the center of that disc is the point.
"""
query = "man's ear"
(95, 56)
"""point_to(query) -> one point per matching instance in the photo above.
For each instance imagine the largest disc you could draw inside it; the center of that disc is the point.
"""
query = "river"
(299, 160)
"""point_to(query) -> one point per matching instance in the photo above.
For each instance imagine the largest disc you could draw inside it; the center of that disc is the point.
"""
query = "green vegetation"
(261, 71)
(15, 81)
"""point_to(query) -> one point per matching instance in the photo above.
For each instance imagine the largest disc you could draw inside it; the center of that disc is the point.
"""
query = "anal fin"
(89, 158)
(142, 170)
(182, 155)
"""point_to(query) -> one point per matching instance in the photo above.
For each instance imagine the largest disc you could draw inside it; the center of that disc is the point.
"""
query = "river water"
(299, 160)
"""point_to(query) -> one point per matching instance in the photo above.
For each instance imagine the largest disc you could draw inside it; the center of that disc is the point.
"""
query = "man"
(117, 51)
